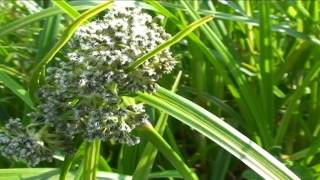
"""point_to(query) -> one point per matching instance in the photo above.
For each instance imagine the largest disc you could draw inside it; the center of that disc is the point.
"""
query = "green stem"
(91, 160)
(66, 167)
(149, 133)
(103, 164)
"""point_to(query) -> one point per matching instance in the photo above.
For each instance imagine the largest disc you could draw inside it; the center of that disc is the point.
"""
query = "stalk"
(91, 160)
(149, 133)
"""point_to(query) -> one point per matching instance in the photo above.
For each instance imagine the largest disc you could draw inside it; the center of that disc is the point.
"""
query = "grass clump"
(88, 89)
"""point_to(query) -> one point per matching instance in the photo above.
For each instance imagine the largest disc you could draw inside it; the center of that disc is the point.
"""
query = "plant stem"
(91, 160)
(149, 133)
(66, 167)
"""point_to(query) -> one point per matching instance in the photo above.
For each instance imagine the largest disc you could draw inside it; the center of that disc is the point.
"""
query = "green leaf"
(50, 174)
(22, 22)
(64, 39)
(77, 5)
(16, 88)
(28, 173)
(11, 71)
(176, 38)
(67, 8)
(166, 174)
(53, 174)
(150, 152)
(266, 68)
(149, 133)
(292, 102)
(220, 132)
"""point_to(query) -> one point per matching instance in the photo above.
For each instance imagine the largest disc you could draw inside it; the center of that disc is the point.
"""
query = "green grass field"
(242, 102)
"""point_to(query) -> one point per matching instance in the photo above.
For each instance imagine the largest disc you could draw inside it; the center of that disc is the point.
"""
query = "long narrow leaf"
(66, 7)
(220, 132)
(149, 133)
(266, 67)
(150, 152)
(53, 173)
(176, 38)
(16, 88)
(65, 38)
(81, 5)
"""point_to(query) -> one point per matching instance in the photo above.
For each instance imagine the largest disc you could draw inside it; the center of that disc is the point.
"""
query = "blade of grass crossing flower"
(67, 8)
(64, 39)
(176, 38)
(150, 152)
(163, 10)
(220, 132)
(149, 133)
(16, 88)
(202, 47)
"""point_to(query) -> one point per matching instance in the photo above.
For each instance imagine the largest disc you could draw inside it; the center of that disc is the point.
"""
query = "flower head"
(17, 143)
(83, 96)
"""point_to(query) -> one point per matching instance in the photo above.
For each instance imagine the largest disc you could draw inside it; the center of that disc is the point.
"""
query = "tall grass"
(246, 92)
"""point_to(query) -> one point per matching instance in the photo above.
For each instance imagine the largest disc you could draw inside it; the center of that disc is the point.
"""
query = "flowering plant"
(83, 96)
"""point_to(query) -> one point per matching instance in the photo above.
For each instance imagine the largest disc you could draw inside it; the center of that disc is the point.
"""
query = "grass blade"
(10, 71)
(53, 173)
(16, 88)
(64, 39)
(266, 67)
(67, 8)
(292, 103)
(152, 135)
(150, 152)
(77, 5)
(20, 23)
(176, 38)
(47, 36)
(220, 132)
(66, 167)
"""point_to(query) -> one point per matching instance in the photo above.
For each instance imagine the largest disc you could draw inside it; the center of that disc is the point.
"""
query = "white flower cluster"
(16, 143)
(83, 95)
(104, 49)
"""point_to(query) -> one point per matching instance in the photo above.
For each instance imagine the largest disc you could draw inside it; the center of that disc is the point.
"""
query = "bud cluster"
(20, 145)
(85, 96)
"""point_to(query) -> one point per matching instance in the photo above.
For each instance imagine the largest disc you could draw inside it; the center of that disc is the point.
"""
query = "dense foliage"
(255, 66)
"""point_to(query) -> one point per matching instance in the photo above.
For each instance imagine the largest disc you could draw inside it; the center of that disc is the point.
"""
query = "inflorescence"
(83, 97)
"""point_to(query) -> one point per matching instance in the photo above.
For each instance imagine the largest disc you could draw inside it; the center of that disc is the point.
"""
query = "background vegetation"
(255, 66)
